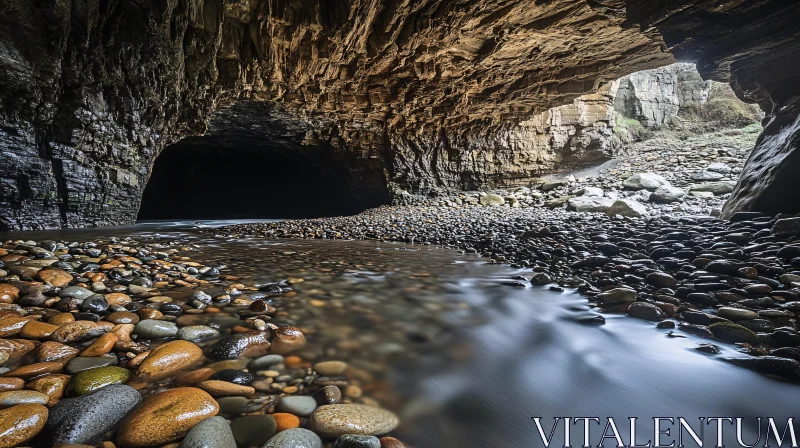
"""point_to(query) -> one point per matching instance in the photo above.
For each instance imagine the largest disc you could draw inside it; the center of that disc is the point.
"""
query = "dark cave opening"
(198, 179)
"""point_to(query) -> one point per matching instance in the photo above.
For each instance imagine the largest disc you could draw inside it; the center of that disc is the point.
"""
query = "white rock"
(667, 194)
(592, 191)
(492, 199)
(719, 167)
(590, 204)
(648, 181)
(627, 207)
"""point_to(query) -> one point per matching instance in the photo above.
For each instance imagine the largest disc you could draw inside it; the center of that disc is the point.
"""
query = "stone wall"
(91, 92)
(652, 97)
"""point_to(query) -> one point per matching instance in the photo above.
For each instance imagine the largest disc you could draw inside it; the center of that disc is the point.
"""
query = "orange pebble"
(286, 421)
(101, 346)
(293, 362)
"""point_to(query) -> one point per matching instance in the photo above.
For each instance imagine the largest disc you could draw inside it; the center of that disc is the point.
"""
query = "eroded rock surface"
(90, 93)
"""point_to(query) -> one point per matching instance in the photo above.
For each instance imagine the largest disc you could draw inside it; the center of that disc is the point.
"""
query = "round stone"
(20, 423)
(214, 432)
(155, 329)
(330, 368)
(15, 397)
(82, 419)
(166, 417)
(88, 381)
(735, 314)
(294, 438)
(196, 333)
(299, 405)
(335, 420)
(168, 359)
(233, 376)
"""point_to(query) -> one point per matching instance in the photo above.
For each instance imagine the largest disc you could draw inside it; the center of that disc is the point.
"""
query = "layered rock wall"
(652, 97)
(90, 92)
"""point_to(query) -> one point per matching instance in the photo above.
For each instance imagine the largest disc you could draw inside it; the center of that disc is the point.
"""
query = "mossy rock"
(731, 332)
(88, 381)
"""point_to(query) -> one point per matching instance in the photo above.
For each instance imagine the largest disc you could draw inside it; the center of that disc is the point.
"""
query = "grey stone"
(667, 194)
(253, 430)
(492, 199)
(646, 181)
(82, 420)
(356, 441)
(213, 432)
(294, 438)
(717, 188)
(627, 207)
(196, 333)
(298, 405)
(706, 176)
(75, 292)
(155, 329)
(589, 204)
(80, 363)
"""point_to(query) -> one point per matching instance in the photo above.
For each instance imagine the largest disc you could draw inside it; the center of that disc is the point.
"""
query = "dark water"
(467, 360)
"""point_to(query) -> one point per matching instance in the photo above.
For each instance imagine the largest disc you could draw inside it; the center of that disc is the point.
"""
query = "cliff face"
(91, 92)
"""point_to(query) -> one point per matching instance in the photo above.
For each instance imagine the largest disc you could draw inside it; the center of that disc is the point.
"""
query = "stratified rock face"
(91, 92)
(654, 96)
(560, 139)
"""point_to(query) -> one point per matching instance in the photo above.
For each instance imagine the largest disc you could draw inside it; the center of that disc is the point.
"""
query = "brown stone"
(16, 347)
(101, 346)
(225, 389)
(11, 326)
(122, 317)
(8, 293)
(11, 384)
(195, 376)
(20, 423)
(56, 351)
(169, 359)
(391, 442)
(117, 298)
(149, 313)
(55, 277)
(287, 340)
(34, 370)
(35, 329)
(166, 417)
(78, 331)
(61, 319)
(52, 385)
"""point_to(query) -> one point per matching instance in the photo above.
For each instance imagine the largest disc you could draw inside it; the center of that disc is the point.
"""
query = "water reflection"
(467, 360)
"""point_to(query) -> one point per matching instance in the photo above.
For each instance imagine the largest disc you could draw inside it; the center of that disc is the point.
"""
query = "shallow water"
(466, 359)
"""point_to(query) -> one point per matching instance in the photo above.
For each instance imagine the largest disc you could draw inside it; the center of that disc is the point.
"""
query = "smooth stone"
(155, 329)
(667, 194)
(84, 419)
(287, 340)
(356, 441)
(250, 344)
(253, 430)
(490, 199)
(589, 204)
(166, 417)
(88, 381)
(214, 432)
(233, 376)
(81, 363)
(334, 420)
(21, 423)
(294, 438)
(645, 181)
(78, 331)
(735, 314)
(299, 405)
(168, 359)
(196, 333)
(731, 332)
(328, 395)
(75, 292)
(15, 397)
(627, 207)
(644, 310)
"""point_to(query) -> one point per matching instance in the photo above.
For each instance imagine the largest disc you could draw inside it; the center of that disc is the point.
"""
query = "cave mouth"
(196, 179)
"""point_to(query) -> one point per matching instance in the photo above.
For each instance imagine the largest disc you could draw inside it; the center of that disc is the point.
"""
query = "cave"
(194, 180)
(422, 98)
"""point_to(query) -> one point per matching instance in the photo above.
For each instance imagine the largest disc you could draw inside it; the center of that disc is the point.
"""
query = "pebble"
(330, 368)
(213, 432)
(15, 397)
(79, 364)
(87, 381)
(166, 417)
(356, 441)
(21, 423)
(735, 314)
(225, 389)
(155, 329)
(249, 344)
(731, 332)
(299, 405)
(233, 376)
(294, 438)
(287, 340)
(82, 419)
(196, 333)
(338, 419)
(169, 359)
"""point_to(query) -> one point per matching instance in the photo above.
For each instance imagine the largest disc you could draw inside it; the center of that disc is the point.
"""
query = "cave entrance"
(199, 179)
